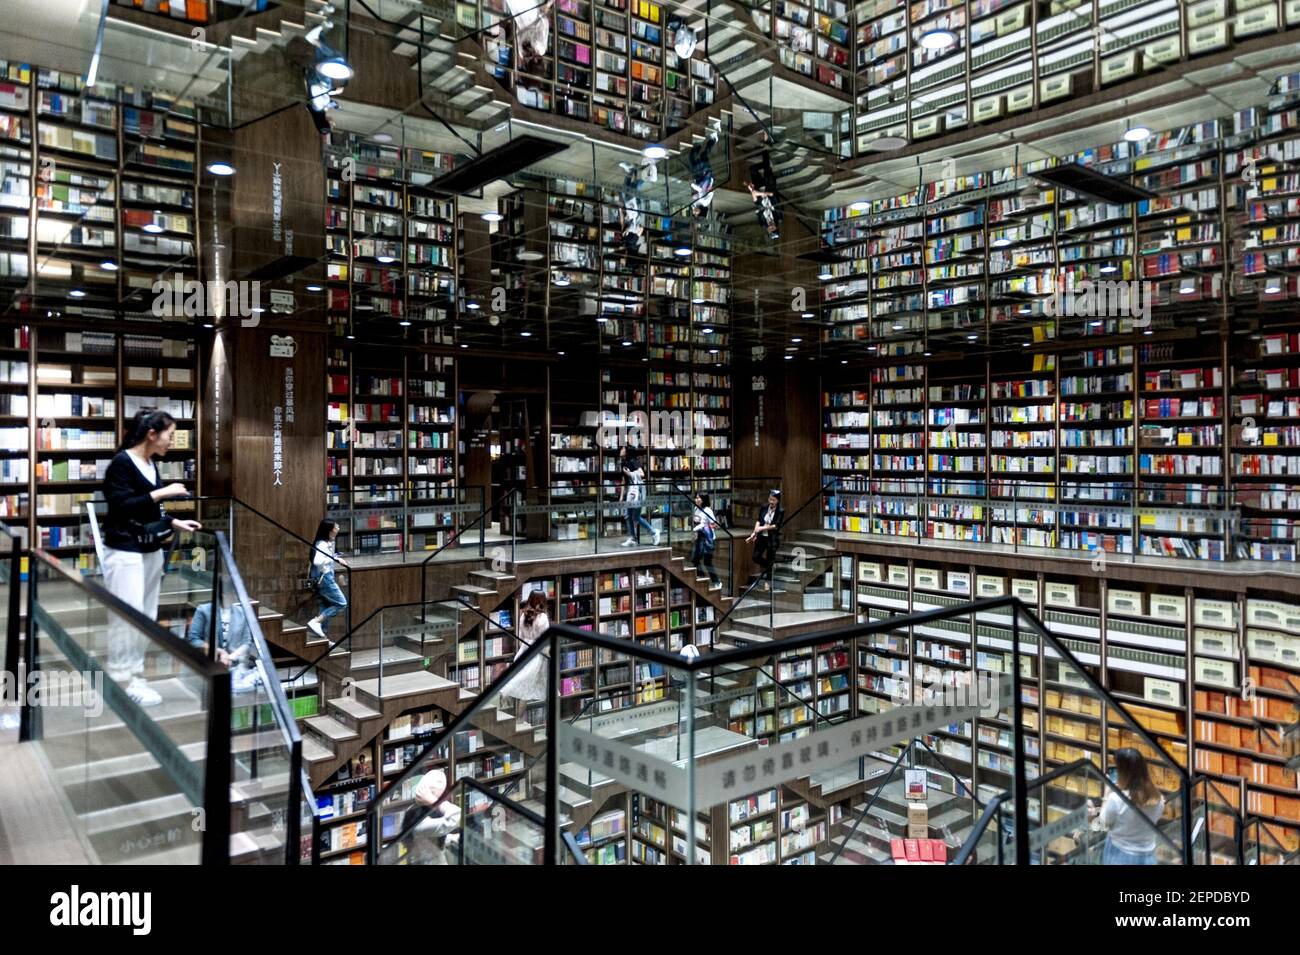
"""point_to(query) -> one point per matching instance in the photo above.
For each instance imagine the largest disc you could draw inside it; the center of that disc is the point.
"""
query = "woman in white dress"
(530, 684)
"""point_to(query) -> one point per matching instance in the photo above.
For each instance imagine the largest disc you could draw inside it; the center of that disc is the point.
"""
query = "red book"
(939, 851)
(913, 850)
(896, 849)
(923, 847)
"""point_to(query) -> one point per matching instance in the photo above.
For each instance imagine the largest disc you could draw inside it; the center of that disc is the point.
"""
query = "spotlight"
(886, 144)
(219, 167)
(935, 40)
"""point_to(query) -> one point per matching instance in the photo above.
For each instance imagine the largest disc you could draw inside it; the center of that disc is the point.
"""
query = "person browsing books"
(1130, 820)
(135, 530)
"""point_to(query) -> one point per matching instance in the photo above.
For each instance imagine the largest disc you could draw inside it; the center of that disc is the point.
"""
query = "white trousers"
(135, 579)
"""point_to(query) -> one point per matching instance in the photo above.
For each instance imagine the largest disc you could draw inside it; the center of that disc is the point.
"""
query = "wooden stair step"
(331, 728)
(414, 683)
(353, 708)
(366, 659)
(314, 752)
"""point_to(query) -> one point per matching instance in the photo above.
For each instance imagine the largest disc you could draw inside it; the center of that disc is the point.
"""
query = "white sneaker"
(142, 694)
(656, 533)
(628, 543)
(315, 627)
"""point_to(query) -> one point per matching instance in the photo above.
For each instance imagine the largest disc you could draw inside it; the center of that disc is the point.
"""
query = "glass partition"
(12, 574)
(135, 725)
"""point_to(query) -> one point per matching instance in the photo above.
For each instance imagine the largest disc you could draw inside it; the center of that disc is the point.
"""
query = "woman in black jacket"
(135, 530)
(766, 537)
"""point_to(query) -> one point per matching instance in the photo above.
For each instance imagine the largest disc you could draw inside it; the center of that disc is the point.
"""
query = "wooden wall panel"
(298, 500)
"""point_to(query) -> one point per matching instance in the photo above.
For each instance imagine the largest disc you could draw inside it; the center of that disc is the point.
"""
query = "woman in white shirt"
(705, 531)
(1130, 829)
(323, 559)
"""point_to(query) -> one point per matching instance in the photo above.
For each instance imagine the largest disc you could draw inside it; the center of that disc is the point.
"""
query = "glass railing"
(138, 737)
(779, 759)
(1216, 824)
(698, 537)
(1266, 843)
(12, 574)
(266, 775)
(1079, 816)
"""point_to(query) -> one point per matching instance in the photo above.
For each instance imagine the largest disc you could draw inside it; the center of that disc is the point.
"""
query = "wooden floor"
(33, 827)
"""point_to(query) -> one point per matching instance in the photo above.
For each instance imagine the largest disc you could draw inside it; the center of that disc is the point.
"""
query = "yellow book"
(1184, 440)
(1270, 439)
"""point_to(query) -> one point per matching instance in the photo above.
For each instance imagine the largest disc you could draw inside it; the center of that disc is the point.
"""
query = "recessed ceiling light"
(602, 318)
(313, 288)
(334, 68)
(383, 137)
(871, 348)
(219, 167)
(862, 205)
(1272, 288)
(713, 351)
(844, 361)
(525, 334)
(682, 250)
(108, 265)
(897, 328)
(645, 359)
(491, 217)
(528, 255)
(697, 301)
(1147, 331)
(385, 259)
(789, 357)
(825, 275)
(1187, 289)
(1135, 134)
(1108, 268)
(561, 354)
(627, 344)
(1024, 344)
(472, 306)
(76, 293)
(561, 280)
(654, 151)
(887, 144)
(971, 338)
(351, 337)
(463, 345)
(1025, 309)
(208, 325)
(1095, 324)
(707, 330)
(1001, 242)
(806, 315)
(256, 310)
(152, 228)
(796, 340)
(937, 39)
(404, 322)
(925, 354)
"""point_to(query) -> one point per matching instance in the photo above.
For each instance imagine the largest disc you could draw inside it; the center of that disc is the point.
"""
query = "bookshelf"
(1175, 657)
(607, 62)
(391, 452)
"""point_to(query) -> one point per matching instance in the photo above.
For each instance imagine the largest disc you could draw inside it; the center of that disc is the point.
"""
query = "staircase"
(453, 81)
(951, 819)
